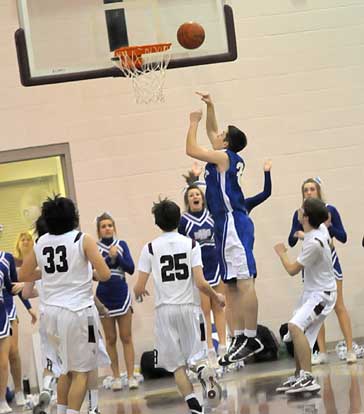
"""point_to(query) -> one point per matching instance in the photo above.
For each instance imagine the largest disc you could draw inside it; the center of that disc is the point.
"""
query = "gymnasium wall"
(296, 89)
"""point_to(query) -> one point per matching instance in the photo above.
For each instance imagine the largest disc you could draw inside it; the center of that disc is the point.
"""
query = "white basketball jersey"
(66, 272)
(171, 258)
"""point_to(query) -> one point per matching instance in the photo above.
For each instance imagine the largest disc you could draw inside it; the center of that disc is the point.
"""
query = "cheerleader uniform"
(8, 297)
(199, 226)
(114, 294)
(5, 286)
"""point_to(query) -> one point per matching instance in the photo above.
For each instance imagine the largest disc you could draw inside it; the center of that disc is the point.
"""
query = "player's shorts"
(312, 310)
(337, 267)
(48, 353)
(115, 295)
(178, 336)
(103, 359)
(4, 322)
(49, 356)
(234, 238)
(74, 337)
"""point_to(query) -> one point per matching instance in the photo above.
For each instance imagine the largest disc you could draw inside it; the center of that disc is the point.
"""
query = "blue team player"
(115, 296)
(197, 223)
(5, 286)
(234, 230)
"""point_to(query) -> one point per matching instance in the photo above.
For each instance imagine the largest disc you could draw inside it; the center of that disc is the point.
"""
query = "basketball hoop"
(146, 67)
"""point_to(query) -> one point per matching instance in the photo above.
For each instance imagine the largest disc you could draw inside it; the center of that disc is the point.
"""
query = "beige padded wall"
(297, 90)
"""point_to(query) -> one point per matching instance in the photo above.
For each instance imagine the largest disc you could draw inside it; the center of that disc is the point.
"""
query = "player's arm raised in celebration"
(92, 253)
(291, 268)
(194, 150)
(205, 288)
(211, 122)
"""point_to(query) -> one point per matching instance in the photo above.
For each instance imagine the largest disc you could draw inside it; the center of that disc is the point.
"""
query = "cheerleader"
(23, 246)
(115, 296)
(5, 283)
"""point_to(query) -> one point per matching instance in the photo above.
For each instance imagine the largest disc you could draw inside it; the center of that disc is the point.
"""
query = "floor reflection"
(250, 391)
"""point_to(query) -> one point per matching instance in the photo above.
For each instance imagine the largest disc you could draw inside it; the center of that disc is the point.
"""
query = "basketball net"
(146, 66)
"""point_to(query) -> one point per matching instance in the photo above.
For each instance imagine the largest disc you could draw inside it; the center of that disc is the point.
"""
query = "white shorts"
(49, 356)
(178, 336)
(311, 312)
(103, 359)
(48, 353)
(74, 337)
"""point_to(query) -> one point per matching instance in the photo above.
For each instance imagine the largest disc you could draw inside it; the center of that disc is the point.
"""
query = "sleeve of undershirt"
(145, 263)
(196, 259)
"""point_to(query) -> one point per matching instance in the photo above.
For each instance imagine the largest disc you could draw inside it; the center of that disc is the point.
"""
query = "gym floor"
(250, 390)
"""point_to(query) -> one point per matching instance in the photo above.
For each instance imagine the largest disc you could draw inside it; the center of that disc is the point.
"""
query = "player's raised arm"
(194, 150)
(212, 128)
(92, 253)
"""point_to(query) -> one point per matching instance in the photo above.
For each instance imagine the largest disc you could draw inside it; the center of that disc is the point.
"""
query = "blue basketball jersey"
(223, 191)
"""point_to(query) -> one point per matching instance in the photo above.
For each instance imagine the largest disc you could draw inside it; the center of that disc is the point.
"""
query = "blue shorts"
(234, 238)
(4, 322)
(115, 295)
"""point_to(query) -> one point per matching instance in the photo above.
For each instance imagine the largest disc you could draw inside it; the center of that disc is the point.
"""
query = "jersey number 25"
(172, 267)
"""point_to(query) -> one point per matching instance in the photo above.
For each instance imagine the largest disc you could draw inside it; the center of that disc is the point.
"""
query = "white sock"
(221, 350)
(250, 333)
(193, 395)
(238, 332)
(61, 409)
(47, 382)
(93, 399)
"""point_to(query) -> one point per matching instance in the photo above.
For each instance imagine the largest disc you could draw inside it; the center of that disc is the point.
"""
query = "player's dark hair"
(60, 215)
(236, 139)
(40, 227)
(191, 180)
(167, 214)
(316, 211)
(102, 217)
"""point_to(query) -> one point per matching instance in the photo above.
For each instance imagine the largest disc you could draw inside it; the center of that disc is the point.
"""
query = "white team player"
(50, 363)
(65, 258)
(176, 265)
(319, 293)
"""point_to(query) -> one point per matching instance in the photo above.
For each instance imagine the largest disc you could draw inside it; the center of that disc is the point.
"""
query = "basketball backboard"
(71, 40)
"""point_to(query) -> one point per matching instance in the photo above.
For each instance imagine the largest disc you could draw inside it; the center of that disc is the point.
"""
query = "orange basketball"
(190, 35)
